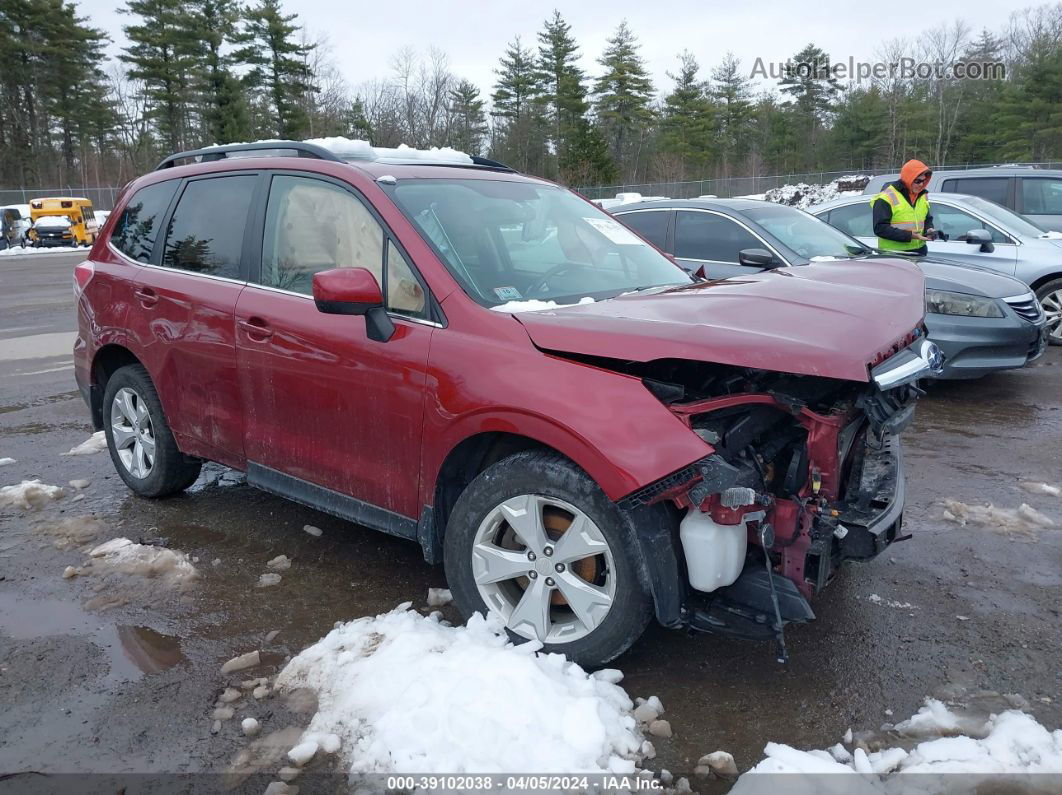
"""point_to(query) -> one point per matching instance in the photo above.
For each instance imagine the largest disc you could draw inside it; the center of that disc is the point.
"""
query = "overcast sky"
(474, 32)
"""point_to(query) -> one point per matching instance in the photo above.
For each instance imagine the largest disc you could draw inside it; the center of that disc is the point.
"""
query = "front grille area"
(1027, 307)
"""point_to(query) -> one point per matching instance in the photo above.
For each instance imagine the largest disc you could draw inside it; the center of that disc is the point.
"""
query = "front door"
(956, 223)
(324, 403)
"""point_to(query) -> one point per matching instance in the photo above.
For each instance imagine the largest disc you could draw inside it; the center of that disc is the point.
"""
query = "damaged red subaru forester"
(583, 434)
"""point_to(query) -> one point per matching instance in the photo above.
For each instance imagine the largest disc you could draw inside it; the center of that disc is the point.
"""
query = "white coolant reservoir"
(715, 553)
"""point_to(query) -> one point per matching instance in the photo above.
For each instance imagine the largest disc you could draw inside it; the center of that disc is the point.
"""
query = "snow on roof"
(52, 220)
(357, 149)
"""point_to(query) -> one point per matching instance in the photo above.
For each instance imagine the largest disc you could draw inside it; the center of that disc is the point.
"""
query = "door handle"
(256, 328)
(146, 296)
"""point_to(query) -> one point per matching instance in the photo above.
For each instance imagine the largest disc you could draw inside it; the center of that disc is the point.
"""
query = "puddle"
(132, 651)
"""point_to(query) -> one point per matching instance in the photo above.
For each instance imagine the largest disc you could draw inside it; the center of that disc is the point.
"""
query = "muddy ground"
(103, 674)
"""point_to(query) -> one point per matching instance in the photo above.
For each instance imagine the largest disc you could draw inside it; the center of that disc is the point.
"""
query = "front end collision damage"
(805, 473)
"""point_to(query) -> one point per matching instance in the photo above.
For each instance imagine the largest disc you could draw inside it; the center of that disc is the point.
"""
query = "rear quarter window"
(138, 226)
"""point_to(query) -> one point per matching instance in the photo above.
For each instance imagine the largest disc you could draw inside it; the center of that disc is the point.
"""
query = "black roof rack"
(211, 153)
(485, 161)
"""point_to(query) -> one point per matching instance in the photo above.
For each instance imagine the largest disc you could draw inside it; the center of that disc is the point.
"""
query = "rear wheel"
(534, 540)
(139, 438)
(1050, 297)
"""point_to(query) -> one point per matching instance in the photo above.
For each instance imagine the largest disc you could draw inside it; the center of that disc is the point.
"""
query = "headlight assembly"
(942, 302)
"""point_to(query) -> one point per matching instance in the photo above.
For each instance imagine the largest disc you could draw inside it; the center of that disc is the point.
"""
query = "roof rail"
(212, 153)
(485, 161)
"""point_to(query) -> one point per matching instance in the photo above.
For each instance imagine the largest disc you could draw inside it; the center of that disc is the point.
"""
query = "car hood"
(828, 319)
(970, 279)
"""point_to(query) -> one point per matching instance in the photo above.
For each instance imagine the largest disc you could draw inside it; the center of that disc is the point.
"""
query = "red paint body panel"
(326, 404)
(828, 319)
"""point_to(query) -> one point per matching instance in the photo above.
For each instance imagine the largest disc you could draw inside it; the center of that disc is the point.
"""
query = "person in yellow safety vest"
(902, 218)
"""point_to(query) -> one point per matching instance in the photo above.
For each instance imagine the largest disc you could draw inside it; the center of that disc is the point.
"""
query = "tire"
(133, 415)
(1050, 295)
(615, 606)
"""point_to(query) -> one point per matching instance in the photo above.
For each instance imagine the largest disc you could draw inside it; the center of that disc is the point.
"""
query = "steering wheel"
(540, 283)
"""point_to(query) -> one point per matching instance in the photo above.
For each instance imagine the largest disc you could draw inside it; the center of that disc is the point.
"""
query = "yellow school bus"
(62, 221)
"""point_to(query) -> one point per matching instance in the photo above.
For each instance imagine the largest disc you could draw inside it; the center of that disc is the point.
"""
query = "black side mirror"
(982, 238)
(756, 258)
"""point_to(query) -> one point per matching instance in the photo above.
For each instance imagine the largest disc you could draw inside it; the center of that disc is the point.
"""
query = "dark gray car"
(983, 321)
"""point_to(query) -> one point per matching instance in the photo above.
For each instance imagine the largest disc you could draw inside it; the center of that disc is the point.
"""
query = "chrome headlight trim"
(921, 359)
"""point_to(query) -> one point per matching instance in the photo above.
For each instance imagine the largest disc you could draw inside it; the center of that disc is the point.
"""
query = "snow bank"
(534, 305)
(29, 494)
(173, 569)
(803, 195)
(1011, 743)
(18, 251)
(1023, 519)
(96, 443)
(406, 694)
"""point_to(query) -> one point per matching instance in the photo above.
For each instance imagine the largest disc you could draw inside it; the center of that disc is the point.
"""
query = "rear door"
(184, 313)
(325, 405)
(1040, 200)
(712, 240)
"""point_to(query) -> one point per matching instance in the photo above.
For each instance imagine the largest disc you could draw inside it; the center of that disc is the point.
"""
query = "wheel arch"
(107, 361)
(1040, 282)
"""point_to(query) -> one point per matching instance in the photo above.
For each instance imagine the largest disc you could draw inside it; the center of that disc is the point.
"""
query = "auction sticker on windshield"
(615, 231)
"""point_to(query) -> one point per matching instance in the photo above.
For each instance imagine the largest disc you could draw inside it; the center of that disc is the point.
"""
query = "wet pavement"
(109, 674)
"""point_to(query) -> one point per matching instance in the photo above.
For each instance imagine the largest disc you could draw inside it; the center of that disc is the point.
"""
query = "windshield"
(806, 235)
(517, 241)
(1011, 221)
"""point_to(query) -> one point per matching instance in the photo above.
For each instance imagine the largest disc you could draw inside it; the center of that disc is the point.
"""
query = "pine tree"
(278, 66)
(163, 54)
(469, 122)
(519, 137)
(623, 94)
(687, 123)
(563, 91)
(732, 92)
(1029, 112)
(225, 115)
(22, 44)
(811, 87)
(858, 138)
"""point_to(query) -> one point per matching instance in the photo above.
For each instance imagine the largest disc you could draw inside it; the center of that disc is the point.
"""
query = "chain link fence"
(729, 187)
(101, 198)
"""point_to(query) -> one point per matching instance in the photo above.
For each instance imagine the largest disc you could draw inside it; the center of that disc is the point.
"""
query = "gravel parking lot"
(110, 674)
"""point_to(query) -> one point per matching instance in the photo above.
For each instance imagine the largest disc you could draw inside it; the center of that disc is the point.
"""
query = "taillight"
(83, 274)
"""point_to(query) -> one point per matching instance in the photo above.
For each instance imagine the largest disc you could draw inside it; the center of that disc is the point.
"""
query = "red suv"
(582, 433)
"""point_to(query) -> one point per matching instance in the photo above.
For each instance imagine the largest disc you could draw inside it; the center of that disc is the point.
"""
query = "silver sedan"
(978, 232)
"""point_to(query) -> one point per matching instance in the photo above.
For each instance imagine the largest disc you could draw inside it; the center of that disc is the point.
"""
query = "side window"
(855, 219)
(950, 186)
(992, 188)
(650, 224)
(710, 237)
(405, 295)
(955, 223)
(205, 233)
(135, 232)
(314, 226)
(1041, 196)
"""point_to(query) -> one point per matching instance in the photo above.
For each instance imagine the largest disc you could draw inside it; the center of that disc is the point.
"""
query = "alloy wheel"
(133, 433)
(545, 567)
(1052, 304)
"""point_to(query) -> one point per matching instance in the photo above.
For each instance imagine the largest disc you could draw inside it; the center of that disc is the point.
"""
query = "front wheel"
(1050, 297)
(535, 540)
(139, 439)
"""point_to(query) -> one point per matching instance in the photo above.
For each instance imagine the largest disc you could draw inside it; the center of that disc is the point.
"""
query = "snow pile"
(534, 305)
(73, 531)
(803, 195)
(889, 603)
(438, 597)
(1011, 743)
(171, 569)
(408, 694)
(18, 251)
(1024, 519)
(1029, 486)
(29, 494)
(6, 461)
(96, 443)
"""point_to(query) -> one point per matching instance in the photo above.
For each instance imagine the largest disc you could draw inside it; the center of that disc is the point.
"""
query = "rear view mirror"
(353, 291)
(982, 238)
(756, 258)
